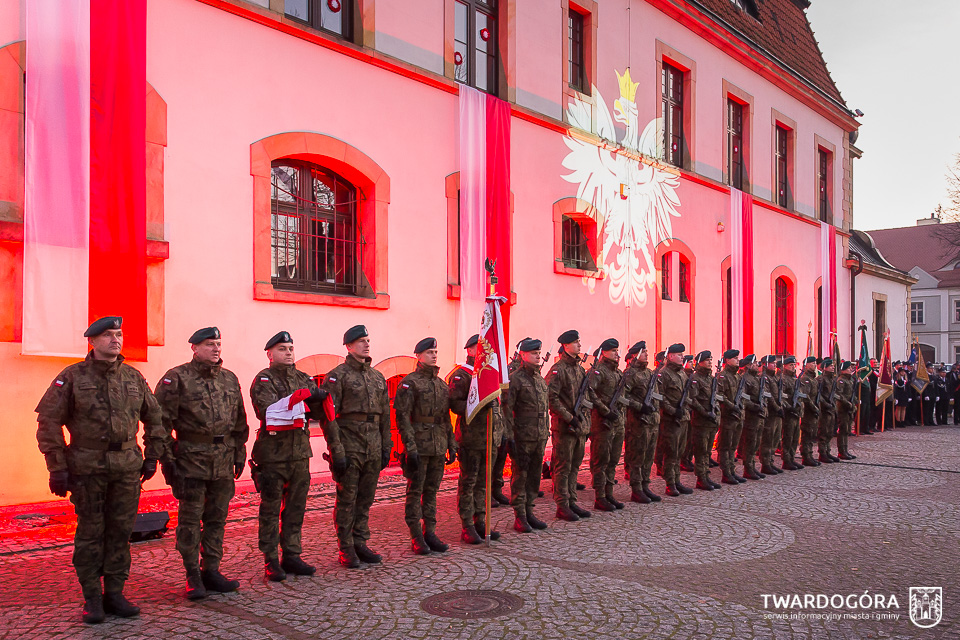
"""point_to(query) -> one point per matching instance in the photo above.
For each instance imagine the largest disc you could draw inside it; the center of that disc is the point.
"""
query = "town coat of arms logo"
(926, 606)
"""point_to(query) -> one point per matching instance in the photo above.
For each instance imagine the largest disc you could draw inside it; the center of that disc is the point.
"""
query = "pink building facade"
(242, 95)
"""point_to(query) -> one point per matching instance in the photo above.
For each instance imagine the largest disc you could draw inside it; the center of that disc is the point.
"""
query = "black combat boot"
(616, 503)
(565, 513)
(195, 588)
(704, 485)
(835, 458)
(601, 504)
(119, 606)
(726, 479)
(294, 565)
(435, 543)
(534, 521)
(640, 496)
(93, 609)
(470, 535)
(716, 485)
(482, 531)
(272, 570)
(714, 463)
(348, 558)
(826, 458)
(497, 495)
(213, 580)
(520, 524)
(846, 455)
(650, 494)
(581, 486)
(418, 544)
(672, 490)
(685, 465)
(768, 470)
(583, 513)
(366, 554)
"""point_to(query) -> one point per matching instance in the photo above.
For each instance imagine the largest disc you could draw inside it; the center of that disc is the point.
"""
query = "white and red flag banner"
(490, 367)
(85, 180)
(828, 283)
(741, 270)
(484, 203)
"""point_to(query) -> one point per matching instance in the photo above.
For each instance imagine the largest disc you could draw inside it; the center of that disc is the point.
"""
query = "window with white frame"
(956, 353)
(916, 313)
(956, 310)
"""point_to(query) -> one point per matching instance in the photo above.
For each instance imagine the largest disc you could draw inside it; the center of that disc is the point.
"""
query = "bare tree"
(948, 232)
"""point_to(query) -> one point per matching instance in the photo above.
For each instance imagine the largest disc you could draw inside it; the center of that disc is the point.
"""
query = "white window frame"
(956, 353)
(916, 311)
(956, 312)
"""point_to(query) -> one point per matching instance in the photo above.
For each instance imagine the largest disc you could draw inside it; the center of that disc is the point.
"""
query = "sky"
(899, 63)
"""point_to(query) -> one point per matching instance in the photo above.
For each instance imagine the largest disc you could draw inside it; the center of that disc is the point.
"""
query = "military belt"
(361, 417)
(102, 444)
(201, 438)
(424, 419)
(530, 414)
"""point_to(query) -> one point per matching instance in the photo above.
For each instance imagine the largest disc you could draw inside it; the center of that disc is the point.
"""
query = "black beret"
(635, 349)
(826, 362)
(659, 355)
(688, 357)
(472, 340)
(704, 355)
(676, 348)
(568, 337)
(609, 343)
(748, 360)
(103, 324)
(846, 364)
(809, 359)
(790, 360)
(281, 338)
(769, 359)
(731, 353)
(520, 342)
(530, 344)
(210, 333)
(423, 345)
(355, 333)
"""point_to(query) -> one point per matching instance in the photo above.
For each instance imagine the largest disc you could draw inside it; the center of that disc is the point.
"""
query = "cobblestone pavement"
(690, 567)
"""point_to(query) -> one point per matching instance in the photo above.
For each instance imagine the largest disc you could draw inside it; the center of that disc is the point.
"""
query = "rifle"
(684, 393)
(760, 399)
(832, 398)
(545, 360)
(651, 389)
(819, 393)
(796, 395)
(713, 392)
(615, 399)
(738, 396)
(582, 392)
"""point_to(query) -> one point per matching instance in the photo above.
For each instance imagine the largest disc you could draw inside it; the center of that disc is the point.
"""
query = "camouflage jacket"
(700, 390)
(204, 400)
(790, 382)
(101, 404)
(563, 385)
(635, 391)
(673, 380)
(270, 385)
(827, 407)
(726, 392)
(526, 406)
(603, 383)
(774, 402)
(422, 405)
(752, 401)
(363, 407)
(808, 386)
(846, 388)
(473, 436)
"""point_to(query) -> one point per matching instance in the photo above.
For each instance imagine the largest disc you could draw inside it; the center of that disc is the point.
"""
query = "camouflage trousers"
(770, 438)
(471, 487)
(421, 501)
(283, 501)
(702, 437)
(525, 473)
(640, 440)
(730, 431)
(688, 449)
(496, 473)
(106, 507)
(674, 437)
(790, 437)
(844, 427)
(827, 431)
(356, 489)
(750, 440)
(201, 518)
(568, 450)
(808, 435)
(605, 449)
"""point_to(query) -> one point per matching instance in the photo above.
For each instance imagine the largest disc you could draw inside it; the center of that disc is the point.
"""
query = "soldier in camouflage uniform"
(525, 413)
(422, 406)
(471, 487)
(281, 455)
(731, 417)
(642, 423)
(359, 393)
(755, 413)
(809, 423)
(606, 425)
(659, 360)
(790, 437)
(497, 497)
(675, 419)
(569, 425)
(686, 458)
(202, 402)
(705, 418)
(847, 403)
(773, 425)
(101, 401)
(827, 430)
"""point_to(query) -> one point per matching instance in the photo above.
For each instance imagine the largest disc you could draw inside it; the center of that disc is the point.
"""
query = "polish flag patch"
(59, 383)
(167, 381)
(265, 379)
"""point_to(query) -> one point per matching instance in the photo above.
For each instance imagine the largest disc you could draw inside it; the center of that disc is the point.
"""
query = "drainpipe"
(856, 268)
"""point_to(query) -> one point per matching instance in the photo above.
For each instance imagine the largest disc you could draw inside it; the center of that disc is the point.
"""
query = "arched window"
(316, 241)
(729, 298)
(783, 303)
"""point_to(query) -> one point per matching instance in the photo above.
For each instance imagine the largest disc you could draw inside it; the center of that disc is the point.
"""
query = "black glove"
(511, 445)
(59, 481)
(613, 416)
(413, 461)
(315, 403)
(148, 470)
(574, 425)
(451, 456)
(780, 412)
(237, 469)
(384, 459)
(338, 466)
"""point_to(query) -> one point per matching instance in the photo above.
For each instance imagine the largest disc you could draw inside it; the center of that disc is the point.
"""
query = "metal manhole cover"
(472, 603)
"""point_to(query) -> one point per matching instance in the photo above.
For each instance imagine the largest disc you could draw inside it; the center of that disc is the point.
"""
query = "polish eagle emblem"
(632, 197)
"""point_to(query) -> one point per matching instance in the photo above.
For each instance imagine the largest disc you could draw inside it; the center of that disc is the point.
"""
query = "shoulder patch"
(332, 378)
(456, 377)
(405, 386)
(169, 381)
(265, 379)
(58, 382)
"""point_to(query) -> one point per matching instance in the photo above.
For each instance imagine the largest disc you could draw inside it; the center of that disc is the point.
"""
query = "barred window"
(575, 59)
(574, 247)
(316, 240)
(823, 184)
(783, 316)
(332, 16)
(782, 167)
(684, 280)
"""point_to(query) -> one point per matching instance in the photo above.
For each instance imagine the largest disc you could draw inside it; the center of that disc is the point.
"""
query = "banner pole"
(489, 463)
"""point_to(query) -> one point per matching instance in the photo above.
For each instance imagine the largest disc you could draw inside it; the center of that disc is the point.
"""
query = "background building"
(303, 166)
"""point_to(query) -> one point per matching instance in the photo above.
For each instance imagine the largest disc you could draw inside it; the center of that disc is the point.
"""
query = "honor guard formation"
(672, 413)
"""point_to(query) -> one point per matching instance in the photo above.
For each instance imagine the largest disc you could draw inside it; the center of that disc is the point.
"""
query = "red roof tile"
(921, 246)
